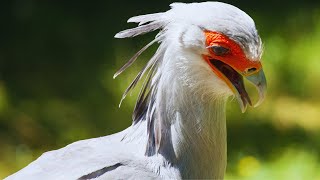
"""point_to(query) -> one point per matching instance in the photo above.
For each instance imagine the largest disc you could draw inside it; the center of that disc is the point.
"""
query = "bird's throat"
(199, 139)
(194, 133)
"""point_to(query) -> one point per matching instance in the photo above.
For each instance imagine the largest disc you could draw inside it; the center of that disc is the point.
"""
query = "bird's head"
(224, 39)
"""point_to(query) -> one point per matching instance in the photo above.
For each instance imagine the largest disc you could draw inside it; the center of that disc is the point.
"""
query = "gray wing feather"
(139, 30)
(142, 19)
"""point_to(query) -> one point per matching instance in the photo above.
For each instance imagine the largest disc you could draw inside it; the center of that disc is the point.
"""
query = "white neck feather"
(199, 139)
(192, 128)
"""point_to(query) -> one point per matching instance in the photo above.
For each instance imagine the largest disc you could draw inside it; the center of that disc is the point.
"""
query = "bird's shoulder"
(79, 159)
(117, 156)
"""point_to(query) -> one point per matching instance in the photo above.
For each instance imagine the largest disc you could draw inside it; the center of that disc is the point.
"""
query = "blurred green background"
(57, 59)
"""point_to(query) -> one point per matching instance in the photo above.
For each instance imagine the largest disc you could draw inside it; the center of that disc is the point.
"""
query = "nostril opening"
(252, 70)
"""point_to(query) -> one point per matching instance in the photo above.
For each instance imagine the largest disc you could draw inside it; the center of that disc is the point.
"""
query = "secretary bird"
(179, 121)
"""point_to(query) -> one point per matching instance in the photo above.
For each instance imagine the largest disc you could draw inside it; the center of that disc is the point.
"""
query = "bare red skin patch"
(234, 58)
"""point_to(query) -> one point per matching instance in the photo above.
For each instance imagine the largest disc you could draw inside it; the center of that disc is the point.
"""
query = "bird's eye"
(219, 50)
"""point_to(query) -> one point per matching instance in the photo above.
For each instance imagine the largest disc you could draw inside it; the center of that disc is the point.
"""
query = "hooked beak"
(258, 79)
(234, 79)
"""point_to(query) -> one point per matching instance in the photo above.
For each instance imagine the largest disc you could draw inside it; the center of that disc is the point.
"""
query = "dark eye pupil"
(219, 50)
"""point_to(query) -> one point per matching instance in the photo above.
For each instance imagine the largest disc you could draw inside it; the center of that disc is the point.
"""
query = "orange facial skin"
(234, 58)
